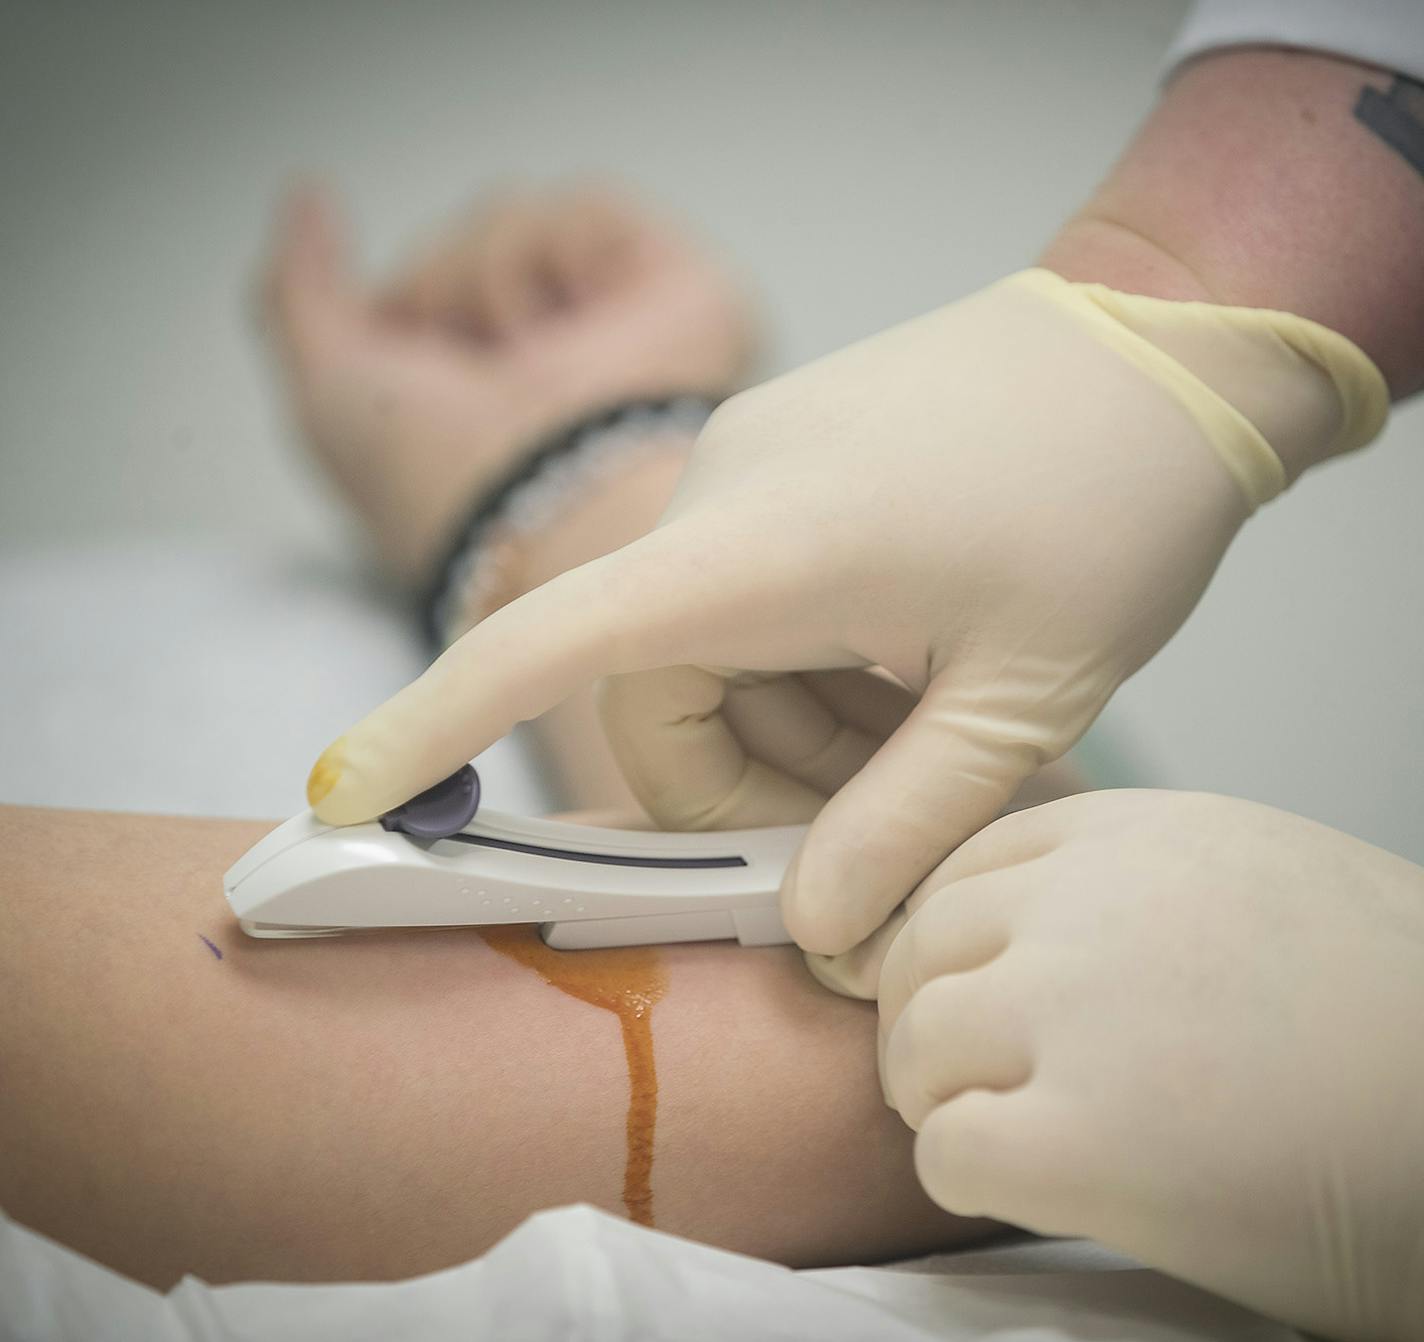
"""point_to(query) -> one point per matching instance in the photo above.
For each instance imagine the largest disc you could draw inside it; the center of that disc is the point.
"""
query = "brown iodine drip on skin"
(626, 981)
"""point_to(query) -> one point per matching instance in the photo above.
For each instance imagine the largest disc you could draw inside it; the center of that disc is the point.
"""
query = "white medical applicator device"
(431, 863)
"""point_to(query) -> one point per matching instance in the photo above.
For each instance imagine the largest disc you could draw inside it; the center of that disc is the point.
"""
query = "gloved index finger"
(634, 608)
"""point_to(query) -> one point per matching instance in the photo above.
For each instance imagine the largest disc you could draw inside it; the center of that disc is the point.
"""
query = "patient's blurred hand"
(1187, 1026)
(536, 310)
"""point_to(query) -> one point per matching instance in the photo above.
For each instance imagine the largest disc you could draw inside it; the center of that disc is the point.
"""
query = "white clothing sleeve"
(1387, 33)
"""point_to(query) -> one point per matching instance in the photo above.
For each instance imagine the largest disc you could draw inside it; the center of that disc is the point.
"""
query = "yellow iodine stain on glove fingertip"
(326, 773)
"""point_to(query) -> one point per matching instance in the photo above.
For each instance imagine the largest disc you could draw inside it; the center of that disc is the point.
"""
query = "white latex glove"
(1187, 1026)
(1010, 504)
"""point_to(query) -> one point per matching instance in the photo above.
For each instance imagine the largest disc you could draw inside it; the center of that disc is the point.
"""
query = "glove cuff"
(1273, 393)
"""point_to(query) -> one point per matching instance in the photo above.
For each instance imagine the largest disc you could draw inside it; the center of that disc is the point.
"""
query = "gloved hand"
(1010, 504)
(1187, 1026)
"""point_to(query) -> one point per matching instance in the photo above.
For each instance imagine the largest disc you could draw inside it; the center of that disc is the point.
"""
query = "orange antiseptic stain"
(626, 981)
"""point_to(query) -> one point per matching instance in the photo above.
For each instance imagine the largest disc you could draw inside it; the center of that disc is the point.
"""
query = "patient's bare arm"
(180, 1098)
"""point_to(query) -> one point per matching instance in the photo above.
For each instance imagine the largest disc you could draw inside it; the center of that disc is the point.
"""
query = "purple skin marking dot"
(210, 945)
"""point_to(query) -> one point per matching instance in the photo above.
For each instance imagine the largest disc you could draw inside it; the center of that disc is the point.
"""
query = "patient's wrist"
(612, 512)
(590, 489)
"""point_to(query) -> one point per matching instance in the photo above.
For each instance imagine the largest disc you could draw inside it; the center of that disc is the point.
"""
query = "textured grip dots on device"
(440, 811)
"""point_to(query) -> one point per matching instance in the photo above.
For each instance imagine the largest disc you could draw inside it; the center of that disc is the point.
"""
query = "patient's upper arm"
(180, 1098)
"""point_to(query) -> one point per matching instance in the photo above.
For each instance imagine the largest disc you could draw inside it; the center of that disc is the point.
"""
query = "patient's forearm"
(384, 1105)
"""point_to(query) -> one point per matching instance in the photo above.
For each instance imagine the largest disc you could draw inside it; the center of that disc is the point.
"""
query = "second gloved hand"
(1186, 1026)
(1009, 504)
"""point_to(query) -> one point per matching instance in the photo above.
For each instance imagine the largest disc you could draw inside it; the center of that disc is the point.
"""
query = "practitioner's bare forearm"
(1263, 178)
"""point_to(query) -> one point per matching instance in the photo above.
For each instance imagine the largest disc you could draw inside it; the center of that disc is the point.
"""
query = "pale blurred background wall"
(861, 161)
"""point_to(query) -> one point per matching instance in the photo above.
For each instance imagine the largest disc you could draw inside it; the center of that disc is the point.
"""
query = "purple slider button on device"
(441, 811)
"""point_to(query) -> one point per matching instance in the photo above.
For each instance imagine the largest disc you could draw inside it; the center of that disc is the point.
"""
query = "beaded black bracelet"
(636, 418)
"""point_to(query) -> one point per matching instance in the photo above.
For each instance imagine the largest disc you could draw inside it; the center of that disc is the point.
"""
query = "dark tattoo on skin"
(1397, 117)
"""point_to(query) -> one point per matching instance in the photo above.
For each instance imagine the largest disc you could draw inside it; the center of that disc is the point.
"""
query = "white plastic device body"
(583, 886)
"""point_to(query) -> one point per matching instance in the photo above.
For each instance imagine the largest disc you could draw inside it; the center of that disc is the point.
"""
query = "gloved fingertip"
(880, 1068)
(829, 972)
(810, 916)
(334, 790)
(804, 924)
(326, 773)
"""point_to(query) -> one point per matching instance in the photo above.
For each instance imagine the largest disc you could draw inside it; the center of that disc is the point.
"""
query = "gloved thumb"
(946, 772)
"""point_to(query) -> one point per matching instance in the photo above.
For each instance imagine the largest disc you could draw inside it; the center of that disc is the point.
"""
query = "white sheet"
(196, 680)
(580, 1273)
(204, 681)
